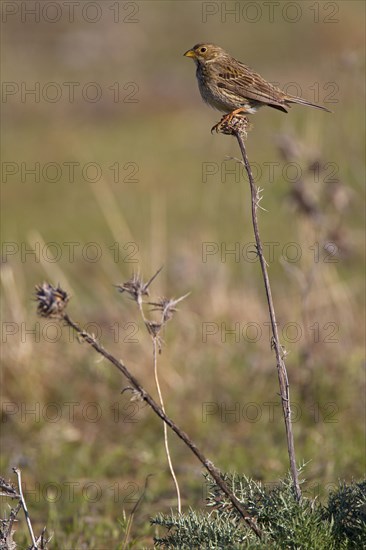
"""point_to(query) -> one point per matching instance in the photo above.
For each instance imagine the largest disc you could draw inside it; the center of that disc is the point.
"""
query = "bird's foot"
(232, 123)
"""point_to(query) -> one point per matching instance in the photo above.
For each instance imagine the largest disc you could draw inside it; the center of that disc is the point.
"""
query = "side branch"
(52, 303)
(213, 471)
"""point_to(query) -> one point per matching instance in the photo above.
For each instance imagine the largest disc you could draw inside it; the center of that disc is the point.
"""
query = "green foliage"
(347, 510)
(285, 523)
(200, 530)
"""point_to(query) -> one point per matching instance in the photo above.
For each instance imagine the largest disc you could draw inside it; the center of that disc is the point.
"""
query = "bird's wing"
(243, 82)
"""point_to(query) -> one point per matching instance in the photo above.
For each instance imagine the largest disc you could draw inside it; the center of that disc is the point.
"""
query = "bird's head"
(204, 53)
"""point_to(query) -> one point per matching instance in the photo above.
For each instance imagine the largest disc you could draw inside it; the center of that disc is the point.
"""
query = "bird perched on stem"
(230, 86)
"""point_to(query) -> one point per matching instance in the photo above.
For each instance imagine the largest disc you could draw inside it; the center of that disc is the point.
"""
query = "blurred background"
(109, 169)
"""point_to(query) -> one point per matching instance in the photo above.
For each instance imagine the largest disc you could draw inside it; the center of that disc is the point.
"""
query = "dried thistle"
(230, 126)
(51, 301)
(304, 203)
(135, 286)
(153, 327)
(167, 307)
(288, 147)
(7, 489)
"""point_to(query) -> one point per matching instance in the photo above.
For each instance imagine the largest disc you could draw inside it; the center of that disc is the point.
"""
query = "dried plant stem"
(212, 470)
(281, 367)
(23, 503)
(166, 442)
(130, 519)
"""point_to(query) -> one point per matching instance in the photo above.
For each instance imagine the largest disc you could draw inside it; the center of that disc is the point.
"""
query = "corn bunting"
(230, 86)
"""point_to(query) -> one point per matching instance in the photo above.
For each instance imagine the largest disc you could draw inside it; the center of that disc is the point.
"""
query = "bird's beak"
(190, 53)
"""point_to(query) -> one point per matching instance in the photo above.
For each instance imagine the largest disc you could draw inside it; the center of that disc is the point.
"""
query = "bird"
(234, 88)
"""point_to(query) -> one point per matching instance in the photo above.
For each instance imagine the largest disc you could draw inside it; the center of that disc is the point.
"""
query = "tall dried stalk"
(237, 126)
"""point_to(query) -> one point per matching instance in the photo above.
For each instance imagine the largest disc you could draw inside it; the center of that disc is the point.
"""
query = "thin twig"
(12, 517)
(166, 442)
(279, 351)
(167, 307)
(27, 518)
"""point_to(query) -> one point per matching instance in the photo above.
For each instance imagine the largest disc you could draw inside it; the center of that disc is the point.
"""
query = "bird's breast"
(210, 92)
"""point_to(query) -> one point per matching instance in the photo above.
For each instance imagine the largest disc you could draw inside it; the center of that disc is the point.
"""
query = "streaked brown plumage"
(230, 86)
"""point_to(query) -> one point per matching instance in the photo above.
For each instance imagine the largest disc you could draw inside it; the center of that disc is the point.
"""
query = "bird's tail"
(301, 101)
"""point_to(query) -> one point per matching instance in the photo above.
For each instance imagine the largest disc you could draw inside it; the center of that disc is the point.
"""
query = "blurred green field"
(177, 199)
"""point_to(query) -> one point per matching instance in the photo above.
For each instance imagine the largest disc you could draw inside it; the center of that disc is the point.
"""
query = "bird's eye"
(203, 50)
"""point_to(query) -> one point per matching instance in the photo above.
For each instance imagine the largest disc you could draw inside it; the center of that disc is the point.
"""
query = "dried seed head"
(136, 288)
(51, 301)
(153, 327)
(232, 125)
(8, 489)
(167, 307)
(303, 201)
(288, 147)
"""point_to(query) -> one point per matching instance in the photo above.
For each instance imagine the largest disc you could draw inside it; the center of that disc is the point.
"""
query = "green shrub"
(285, 522)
